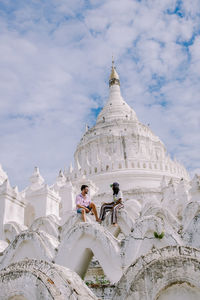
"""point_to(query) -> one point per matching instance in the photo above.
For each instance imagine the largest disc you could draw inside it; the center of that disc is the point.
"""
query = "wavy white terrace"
(45, 248)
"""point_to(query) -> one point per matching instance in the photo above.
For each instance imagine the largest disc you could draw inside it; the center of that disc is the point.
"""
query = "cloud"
(55, 59)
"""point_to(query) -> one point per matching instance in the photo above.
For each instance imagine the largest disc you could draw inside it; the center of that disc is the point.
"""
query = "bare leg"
(94, 209)
(83, 215)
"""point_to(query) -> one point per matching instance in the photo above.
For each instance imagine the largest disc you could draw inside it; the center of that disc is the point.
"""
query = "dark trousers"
(110, 207)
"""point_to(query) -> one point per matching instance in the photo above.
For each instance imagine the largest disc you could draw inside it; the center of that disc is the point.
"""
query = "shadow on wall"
(83, 262)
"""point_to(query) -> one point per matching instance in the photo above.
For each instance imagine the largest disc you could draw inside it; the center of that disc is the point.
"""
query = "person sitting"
(113, 206)
(84, 204)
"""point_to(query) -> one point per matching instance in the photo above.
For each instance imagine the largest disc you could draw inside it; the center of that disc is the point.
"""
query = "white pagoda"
(47, 252)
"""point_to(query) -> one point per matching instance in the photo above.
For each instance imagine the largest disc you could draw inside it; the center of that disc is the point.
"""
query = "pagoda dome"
(120, 148)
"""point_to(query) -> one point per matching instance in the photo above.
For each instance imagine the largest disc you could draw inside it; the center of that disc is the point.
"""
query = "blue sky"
(55, 59)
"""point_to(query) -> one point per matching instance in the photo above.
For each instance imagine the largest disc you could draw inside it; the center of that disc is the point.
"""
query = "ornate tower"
(120, 148)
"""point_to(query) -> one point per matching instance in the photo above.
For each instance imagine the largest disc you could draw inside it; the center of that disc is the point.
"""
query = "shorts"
(79, 210)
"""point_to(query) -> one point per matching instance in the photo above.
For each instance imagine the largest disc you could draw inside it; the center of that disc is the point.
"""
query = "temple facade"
(47, 252)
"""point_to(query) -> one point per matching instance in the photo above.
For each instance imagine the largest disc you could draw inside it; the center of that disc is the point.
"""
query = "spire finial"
(114, 77)
(113, 62)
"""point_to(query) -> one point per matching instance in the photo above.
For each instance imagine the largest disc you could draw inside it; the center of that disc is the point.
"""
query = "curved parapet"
(37, 245)
(191, 230)
(165, 215)
(191, 224)
(49, 224)
(82, 241)
(71, 219)
(73, 244)
(38, 280)
(67, 215)
(133, 206)
(12, 229)
(167, 273)
(126, 218)
(125, 222)
(129, 215)
(85, 239)
(150, 204)
(142, 239)
(3, 246)
(192, 209)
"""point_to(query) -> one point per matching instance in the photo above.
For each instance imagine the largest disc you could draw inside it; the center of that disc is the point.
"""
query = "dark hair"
(83, 186)
(115, 188)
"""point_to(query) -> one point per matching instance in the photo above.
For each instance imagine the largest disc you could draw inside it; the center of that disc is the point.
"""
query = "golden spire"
(113, 62)
(114, 77)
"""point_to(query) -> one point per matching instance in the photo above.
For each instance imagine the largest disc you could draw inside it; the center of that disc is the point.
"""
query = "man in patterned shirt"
(84, 204)
(113, 206)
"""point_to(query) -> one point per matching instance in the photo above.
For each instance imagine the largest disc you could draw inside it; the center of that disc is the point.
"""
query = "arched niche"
(179, 291)
(169, 273)
(32, 279)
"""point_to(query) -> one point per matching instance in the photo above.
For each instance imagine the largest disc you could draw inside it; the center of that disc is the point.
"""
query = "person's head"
(115, 187)
(84, 188)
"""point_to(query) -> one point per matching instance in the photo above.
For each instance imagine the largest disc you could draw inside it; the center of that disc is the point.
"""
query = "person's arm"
(81, 206)
(120, 199)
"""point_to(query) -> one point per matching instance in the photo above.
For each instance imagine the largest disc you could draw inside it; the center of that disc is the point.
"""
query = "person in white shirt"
(113, 206)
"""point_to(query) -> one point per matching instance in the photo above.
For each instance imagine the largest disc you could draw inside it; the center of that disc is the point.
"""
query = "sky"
(55, 60)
